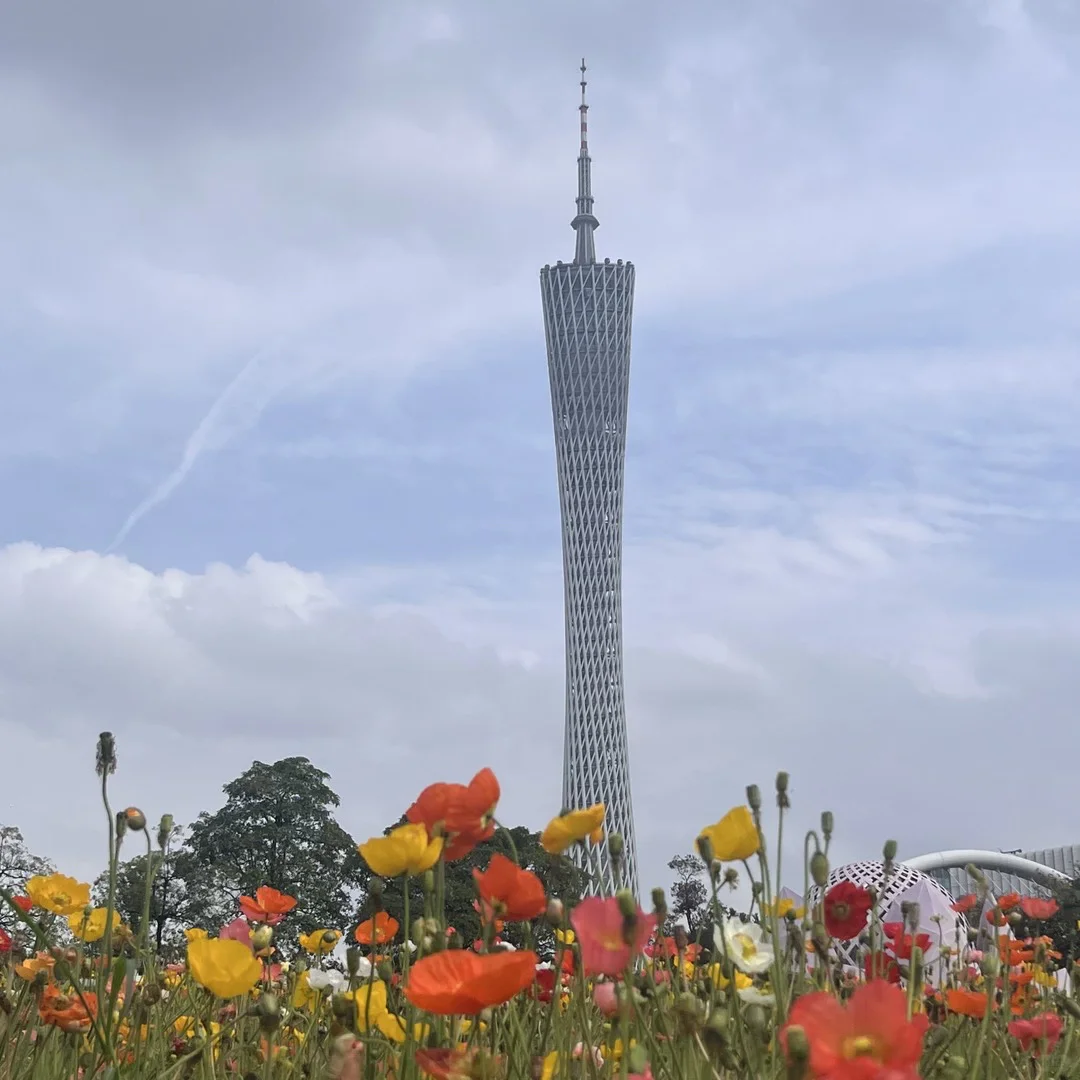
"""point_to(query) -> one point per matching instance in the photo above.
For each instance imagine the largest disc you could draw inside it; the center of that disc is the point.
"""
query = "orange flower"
(464, 814)
(510, 892)
(444, 1063)
(268, 906)
(965, 903)
(1008, 901)
(375, 931)
(68, 1013)
(30, 968)
(1035, 907)
(460, 982)
(872, 1036)
(966, 1003)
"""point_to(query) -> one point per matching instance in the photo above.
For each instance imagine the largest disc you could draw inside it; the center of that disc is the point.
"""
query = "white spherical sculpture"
(936, 917)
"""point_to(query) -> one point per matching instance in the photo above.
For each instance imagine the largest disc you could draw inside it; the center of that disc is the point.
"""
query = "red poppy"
(268, 905)
(846, 908)
(544, 987)
(880, 965)
(1039, 1031)
(1035, 907)
(871, 1037)
(464, 814)
(377, 930)
(966, 1003)
(5, 941)
(510, 892)
(456, 982)
(1008, 901)
(23, 903)
(900, 943)
(965, 903)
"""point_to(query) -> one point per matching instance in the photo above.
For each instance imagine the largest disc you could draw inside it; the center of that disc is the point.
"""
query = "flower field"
(596, 988)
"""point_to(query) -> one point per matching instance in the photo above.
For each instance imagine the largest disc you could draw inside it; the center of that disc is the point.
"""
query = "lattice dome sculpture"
(588, 307)
(936, 916)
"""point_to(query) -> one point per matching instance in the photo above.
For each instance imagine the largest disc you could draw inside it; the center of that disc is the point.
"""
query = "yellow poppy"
(734, 836)
(58, 893)
(320, 942)
(225, 967)
(784, 905)
(742, 982)
(565, 937)
(407, 850)
(91, 926)
(303, 996)
(370, 1001)
(551, 1063)
(196, 933)
(574, 827)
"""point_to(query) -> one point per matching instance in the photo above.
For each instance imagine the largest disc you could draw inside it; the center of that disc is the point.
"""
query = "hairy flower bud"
(753, 797)
(269, 1011)
(164, 830)
(262, 939)
(615, 845)
(136, 819)
(705, 850)
(798, 1053)
(731, 877)
(429, 882)
(376, 888)
(990, 965)
(637, 1061)
(659, 903)
(827, 824)
(555, 912)
(121, 825)
(819, 868)
(627, 903)
(385, 971)
(782, 800)
(352, 960)
(106, 754)
(889, 850)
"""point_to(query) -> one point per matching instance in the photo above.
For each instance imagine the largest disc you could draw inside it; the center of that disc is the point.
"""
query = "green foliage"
(276, 828)
(17, 865)
(689, 893)
(1062, 927)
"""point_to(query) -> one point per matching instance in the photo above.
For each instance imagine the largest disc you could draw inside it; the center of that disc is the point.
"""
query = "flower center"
(860, 1046)
(747, 946)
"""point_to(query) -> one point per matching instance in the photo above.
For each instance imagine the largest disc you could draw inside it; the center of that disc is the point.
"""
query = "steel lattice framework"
(588, 309)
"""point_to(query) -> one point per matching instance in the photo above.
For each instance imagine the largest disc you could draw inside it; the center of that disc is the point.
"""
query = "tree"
(169, 900)
(276, 828)
(17, 865)
(560, 877)
(689, 894)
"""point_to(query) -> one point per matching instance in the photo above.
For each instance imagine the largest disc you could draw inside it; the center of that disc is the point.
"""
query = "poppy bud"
(418, 930)
(555, 912)
(659, 903)
(262, 938)
(429, 882)
(819, 868)
(136, 819)
(889, 850)
(755, 1018)
(121, 825)
(106, 754)
(798, 1052)
(615, 845)
(1069, 1004)
(269, 1011)
(731, 878)
(385, 971)
(705, 850)
(352, 960)
(376, 888)
(757, 889)
(627, 903)
(682, 938)
(753, 797)
(976, 875)
(990, 965)
(826, 824)
(782, 779)
(164, 830)
(637, 1061)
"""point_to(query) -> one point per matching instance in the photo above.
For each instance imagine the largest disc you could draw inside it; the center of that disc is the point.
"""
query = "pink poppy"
(599, 926)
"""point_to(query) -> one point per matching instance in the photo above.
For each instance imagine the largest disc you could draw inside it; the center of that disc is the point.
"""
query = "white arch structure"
(1027, 869)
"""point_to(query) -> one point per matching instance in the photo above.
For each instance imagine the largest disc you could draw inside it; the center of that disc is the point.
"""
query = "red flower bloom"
(268, 905)
(23, 903)
(511, 893)
(459, 982)
(376, 931)
(870, 1038)
(5, 941)
(1008, 901)
(965, 903)
(1039, 1031)
(464, 814)
(846, 908)
(544, 987)
(1034, 907)
(598, 923)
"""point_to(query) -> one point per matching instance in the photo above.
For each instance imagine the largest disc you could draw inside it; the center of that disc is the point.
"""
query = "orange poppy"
(966, 1003)
(268, 905)
(457, 982)
(510, 892)
(67, 1012)
(377, 930)
(1035, 907)
(965, 903)
(1008, 901)
(463, 814)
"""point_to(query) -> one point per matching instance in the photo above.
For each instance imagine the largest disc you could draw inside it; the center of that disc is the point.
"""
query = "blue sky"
(275, 450)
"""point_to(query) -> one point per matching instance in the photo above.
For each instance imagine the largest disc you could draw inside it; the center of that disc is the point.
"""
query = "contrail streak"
(205, 435)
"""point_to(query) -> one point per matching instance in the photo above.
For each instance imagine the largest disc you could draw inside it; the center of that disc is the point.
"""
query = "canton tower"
(588, 306)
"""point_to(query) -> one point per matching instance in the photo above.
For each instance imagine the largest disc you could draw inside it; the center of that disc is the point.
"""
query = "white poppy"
(754, 995)
(744, 945)
(335, 980)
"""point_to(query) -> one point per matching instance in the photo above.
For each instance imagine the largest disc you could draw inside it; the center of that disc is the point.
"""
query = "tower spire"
(584, 223)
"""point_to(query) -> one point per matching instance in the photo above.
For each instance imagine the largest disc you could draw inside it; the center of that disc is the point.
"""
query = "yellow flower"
(392, 1026)
(320, 942)
(742, 982)
(226, 968)
(783, 906)
(406, 850)
(573, 827)
(566, 937)
(370, 1003)
(303, 995)
(59, 894)
(734, 836)
(196, 933)
(29, 969)
(91, 927)
(1043, 978)
(616, 1049)
(551, 1063)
